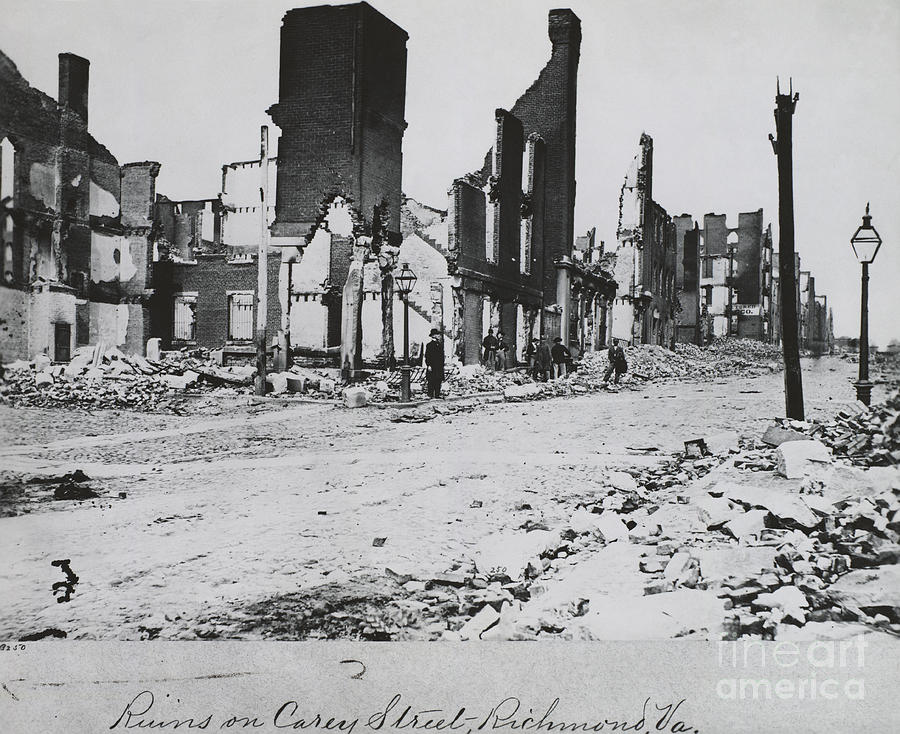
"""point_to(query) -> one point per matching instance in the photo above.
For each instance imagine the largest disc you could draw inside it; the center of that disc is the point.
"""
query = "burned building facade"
(76, 227)
(341, 111)
(736, 277)
(687, 280)
(511, 224)
(500, 255)
(645, 306)
(205, 268)
(205, 277)
(735, 291)
(334, 200)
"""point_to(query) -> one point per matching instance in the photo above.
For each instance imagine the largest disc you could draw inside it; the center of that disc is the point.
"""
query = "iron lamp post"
(406, 281)
(865, 243)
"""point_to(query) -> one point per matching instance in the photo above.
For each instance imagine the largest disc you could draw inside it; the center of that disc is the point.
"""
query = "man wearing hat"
(560, 355)
(434, 364)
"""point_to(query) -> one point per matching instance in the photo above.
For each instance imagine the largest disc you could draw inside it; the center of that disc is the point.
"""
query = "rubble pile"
(770, 537)
(653, 362)
(870, 437)
(745, 349)
(97, 379)
(645, 362)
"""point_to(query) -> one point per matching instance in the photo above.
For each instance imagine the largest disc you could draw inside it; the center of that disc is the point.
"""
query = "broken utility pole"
(790, 334)
(262, 280)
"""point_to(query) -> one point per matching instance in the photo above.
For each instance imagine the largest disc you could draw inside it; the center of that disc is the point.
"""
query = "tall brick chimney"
(73, 84)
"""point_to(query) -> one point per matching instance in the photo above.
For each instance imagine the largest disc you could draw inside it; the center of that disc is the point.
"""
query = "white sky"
(187, 84)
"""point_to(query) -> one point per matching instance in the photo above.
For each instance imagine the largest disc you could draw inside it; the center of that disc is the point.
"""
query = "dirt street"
(245, 524)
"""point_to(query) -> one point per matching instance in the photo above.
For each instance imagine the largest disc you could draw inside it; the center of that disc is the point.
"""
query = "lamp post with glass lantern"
(406, 281)
(865, 243)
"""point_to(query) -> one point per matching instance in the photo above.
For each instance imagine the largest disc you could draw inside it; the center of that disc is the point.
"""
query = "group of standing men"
(495, 354)
(546, 362)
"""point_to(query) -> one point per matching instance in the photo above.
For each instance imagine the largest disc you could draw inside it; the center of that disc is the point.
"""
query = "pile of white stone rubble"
(771, 537)
(97, 378)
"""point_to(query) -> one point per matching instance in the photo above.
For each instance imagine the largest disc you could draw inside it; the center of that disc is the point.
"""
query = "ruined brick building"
(645, 306)
(736, 277)
(341, 110)
(688, 322)
(205, 277)
(205, 273)
(335, 200)
(511, 223)
(502, 257)
(680, 282)
(76, 227)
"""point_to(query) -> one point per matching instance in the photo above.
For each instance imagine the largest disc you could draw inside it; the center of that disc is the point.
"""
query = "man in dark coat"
(542, 361)
(531, 352)
(617, 362)
(561, 355)
(434, 364)
(490, 345)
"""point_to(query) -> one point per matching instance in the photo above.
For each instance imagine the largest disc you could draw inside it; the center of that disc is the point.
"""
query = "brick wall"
(509, 313)
(211, 278)
(715, 234)
(14, 329)
(469, 224)
(342, 90)
(548, 108)
(502, 279)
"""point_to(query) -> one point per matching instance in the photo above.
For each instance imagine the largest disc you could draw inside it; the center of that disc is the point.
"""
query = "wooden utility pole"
(790, 335)
(262, 279)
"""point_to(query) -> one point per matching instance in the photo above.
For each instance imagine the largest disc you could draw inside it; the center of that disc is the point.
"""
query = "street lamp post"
(865, 243)
(406, 280)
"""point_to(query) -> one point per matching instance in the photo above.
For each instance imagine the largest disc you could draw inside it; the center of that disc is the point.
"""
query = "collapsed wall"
(76, 227)
(512, 222)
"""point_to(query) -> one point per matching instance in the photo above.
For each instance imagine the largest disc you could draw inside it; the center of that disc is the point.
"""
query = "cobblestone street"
(205, 526)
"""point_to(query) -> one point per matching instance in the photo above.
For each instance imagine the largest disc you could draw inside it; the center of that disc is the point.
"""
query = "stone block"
(356, 397)
(622, 480)
(278, 382)
(522, 392)
(721, 443)
(153, 349)
(295, 383)
(775, 436)
(653, 617)
(611, 527)
(714, 511)
(43, 379)
(875, 589)
(749, 523)
(508, 553)
(786, 507)
(797, 459)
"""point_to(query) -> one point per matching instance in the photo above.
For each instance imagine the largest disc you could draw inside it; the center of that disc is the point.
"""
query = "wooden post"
(262, 279)
(793, 381)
